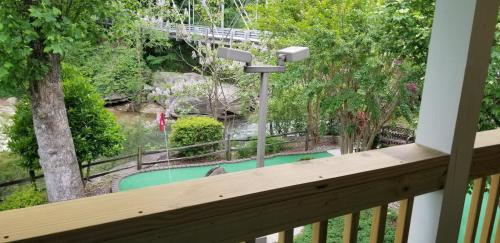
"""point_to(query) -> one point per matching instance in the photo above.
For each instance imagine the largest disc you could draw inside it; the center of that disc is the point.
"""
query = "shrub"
(195, 130)
(24, 197)
(273, 145)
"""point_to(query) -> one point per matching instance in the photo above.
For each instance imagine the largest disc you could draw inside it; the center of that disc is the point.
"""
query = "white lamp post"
(290, 54)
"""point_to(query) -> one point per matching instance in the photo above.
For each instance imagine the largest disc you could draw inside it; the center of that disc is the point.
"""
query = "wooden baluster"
(351, 223)
(497, 232)
(403, 221)
(285, 236)
(491, 209)
(378, 224)
(319, 232)
(474, 210)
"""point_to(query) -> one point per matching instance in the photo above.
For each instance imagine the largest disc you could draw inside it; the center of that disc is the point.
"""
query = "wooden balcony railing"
(243, 205)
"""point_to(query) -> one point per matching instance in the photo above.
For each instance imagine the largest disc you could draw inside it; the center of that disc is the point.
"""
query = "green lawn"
(336, 227)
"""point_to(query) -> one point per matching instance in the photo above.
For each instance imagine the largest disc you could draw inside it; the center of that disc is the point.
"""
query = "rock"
(12, 101)
(7, 110)
(189, 93)
(116, 99)
(216, 171)
(151, 108)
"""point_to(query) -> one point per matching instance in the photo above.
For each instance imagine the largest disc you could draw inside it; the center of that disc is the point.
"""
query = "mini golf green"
(158, 177)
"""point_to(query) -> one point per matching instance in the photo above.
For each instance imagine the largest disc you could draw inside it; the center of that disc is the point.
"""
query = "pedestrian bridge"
(226, 35)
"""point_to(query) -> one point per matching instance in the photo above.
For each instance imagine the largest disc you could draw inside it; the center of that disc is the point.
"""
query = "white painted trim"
(457, 66)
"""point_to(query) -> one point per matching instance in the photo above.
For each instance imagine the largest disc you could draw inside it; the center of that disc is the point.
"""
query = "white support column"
(261, 139)
(457, 65)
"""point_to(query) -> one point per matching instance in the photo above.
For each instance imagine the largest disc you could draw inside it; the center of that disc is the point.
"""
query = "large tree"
(352, 76)
(34, 37)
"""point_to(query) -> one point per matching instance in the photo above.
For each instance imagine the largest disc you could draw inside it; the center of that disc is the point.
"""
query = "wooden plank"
(110, 160)
(491, 210)
(474, 210)
(227, 208)
(319, 232)
(378, 224)
(403, 221)
(285, 236)
(351, 223)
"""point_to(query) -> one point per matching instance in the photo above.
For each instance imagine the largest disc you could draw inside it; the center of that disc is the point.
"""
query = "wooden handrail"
(242, 205)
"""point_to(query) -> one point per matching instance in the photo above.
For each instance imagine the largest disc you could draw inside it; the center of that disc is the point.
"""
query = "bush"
(195, 130)
(24, 197)
(273, 145)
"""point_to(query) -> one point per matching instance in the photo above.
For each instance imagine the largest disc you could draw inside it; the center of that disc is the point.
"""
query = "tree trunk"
(313, 121)
(55, 144)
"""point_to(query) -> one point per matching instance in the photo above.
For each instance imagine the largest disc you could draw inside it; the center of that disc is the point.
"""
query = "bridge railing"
(228, 34)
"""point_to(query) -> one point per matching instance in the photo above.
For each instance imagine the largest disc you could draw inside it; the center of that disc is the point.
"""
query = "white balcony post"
(457, 65)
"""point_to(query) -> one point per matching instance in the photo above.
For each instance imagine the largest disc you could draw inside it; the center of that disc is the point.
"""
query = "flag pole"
(168, 156)
(163, 127)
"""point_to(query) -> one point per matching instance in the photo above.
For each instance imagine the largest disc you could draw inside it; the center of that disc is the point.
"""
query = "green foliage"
(273, 145)
(175, 58)
(9, 170)
(336, 226)
(113, 70)
(23, 197)
(195, 130)
(352, 73)
(30, 31)
(94, 129)
(490, 107)
(22, 136)
(285, 105)
(404, 28)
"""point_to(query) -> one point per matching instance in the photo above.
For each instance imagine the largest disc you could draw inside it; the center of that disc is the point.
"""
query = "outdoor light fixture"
(289, 54)
(293, 54)
(235, 55)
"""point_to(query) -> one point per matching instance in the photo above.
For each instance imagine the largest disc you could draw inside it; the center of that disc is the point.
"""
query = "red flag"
(162, 122)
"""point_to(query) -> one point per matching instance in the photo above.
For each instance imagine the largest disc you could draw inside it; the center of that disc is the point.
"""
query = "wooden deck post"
(378, 224)
(474, 210)
(403, 221)
(139, 158)
(351, 223)
(491, 210)
(285, 236)
(227, 144)
(319, 232)
(459, 52)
